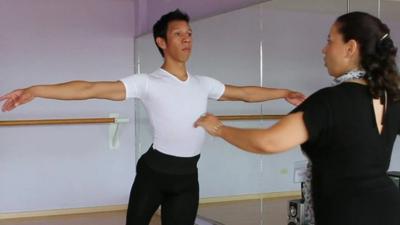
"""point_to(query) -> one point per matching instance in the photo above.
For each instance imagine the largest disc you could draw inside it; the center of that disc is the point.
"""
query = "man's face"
(178, 44)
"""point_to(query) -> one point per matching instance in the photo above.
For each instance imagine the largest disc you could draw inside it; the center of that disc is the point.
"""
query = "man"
(167, 173)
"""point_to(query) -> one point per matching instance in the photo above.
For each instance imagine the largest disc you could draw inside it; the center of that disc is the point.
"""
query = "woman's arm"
(284, 135)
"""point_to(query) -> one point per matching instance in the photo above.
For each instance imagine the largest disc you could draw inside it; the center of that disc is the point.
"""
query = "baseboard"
(294, 194)
(59, 212)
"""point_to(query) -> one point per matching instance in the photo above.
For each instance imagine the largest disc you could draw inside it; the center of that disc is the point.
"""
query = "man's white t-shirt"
(173, 107)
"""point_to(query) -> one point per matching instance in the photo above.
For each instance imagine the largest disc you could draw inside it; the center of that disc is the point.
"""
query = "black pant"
(175, 188)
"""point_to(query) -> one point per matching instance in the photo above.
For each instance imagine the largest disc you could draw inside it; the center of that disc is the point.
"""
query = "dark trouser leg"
(180, 205)
(145, 196)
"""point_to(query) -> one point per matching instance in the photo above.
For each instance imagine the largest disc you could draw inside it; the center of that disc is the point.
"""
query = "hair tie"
(384, 36)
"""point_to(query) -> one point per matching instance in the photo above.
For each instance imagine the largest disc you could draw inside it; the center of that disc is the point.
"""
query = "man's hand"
(295, 98)
(16, 98)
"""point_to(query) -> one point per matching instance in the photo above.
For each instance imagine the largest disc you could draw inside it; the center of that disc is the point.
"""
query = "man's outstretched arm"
(73, 90)
(260, 94)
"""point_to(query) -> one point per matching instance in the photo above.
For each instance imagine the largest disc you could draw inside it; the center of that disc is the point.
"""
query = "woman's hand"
(295, 98)
(210, 123)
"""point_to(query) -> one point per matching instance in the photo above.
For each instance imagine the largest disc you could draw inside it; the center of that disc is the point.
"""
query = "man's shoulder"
(147, 75)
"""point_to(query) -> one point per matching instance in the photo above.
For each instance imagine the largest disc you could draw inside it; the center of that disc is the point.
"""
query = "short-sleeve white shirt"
(173, 107)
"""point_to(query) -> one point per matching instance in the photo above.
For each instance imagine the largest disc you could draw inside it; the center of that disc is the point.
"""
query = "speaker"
(395, 176)
(296, 212)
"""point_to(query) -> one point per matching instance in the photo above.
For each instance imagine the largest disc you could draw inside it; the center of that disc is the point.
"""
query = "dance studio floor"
(228, 213)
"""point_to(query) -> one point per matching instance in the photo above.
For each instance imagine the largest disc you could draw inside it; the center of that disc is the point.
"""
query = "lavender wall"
(55, 167)
(149, 11)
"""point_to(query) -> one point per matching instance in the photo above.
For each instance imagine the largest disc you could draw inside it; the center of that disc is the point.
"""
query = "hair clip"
(384, 36)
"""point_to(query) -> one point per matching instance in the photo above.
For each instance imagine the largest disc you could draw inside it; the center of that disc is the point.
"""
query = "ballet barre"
(56, 121)
(113, 129)
(114, 121)
(250, 117)
(118, 120)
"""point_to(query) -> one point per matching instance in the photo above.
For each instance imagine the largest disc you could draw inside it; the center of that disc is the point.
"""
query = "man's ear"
(161, 43)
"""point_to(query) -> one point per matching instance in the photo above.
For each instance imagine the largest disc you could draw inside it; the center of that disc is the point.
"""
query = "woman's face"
(339, 56)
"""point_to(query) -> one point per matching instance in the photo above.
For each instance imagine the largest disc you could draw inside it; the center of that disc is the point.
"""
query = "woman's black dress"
(350, 157)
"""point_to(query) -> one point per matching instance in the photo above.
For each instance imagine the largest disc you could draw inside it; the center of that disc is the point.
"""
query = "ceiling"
(147, 12)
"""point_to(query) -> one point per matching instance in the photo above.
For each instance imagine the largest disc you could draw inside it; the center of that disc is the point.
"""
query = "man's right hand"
(16, 98)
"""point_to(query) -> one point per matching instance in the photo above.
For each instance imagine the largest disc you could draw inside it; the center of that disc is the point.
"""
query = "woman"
(347, 131)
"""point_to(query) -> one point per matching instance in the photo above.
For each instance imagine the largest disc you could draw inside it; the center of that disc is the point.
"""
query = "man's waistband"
(170, 164)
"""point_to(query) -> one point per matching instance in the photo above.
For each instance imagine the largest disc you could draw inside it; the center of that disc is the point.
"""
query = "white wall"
(55, 167)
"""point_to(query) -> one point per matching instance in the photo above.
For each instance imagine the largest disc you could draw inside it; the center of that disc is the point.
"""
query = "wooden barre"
(250, 117)
(56, 121)
(113, 120)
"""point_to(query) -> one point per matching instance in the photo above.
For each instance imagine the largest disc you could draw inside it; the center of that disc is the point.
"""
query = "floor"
(274, 212)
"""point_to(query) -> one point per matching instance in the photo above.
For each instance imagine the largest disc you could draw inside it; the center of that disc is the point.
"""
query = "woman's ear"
(352, 48)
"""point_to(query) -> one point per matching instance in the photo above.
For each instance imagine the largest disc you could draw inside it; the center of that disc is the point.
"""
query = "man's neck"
(176, 69)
